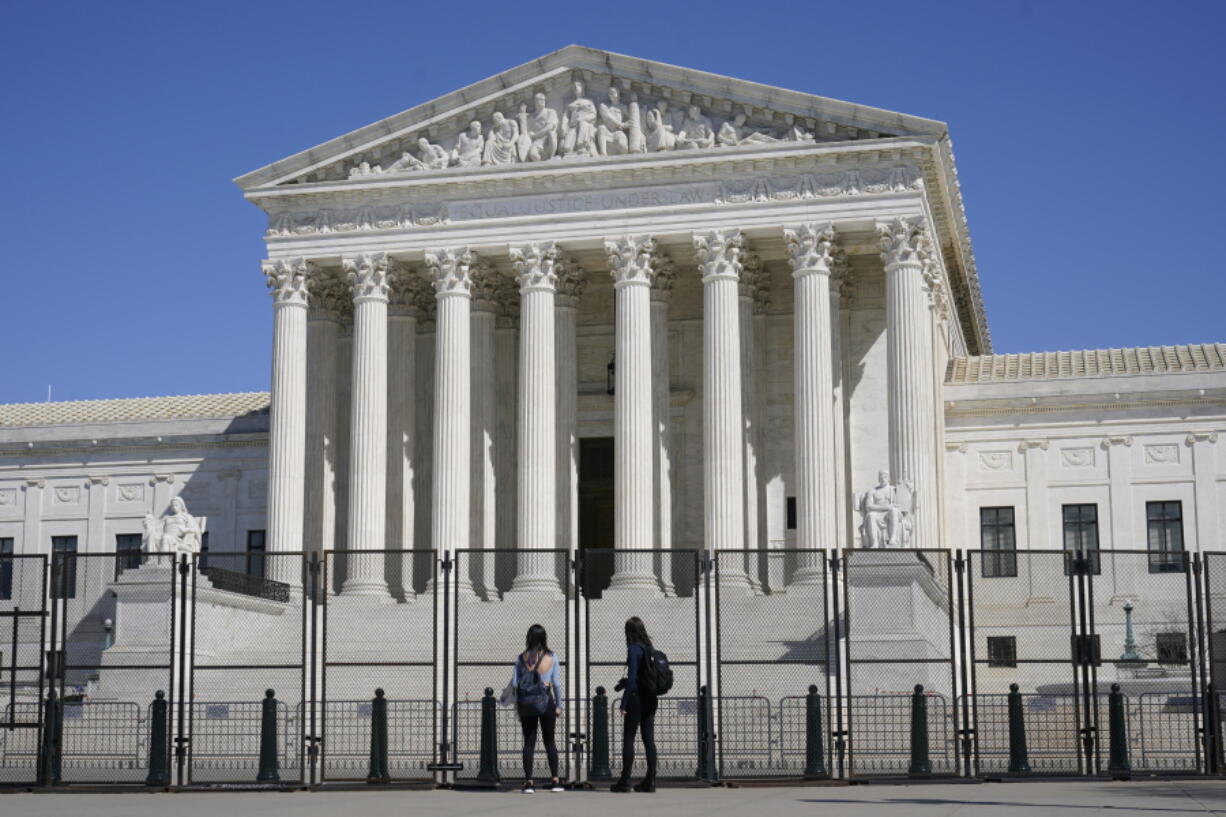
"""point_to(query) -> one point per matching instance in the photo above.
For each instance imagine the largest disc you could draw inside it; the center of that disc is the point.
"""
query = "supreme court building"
(601, 302)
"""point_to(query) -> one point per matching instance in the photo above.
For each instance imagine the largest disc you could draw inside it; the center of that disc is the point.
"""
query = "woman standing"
(638, 709)
(539, 694)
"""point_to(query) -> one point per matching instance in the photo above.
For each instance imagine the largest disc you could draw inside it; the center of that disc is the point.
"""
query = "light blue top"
(553, 677)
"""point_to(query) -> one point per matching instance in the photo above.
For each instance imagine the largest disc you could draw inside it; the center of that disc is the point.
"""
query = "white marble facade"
(787, 286)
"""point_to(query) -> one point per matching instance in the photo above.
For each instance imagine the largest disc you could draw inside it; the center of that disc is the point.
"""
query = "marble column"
(367, 276)
(404, 306)
(571, 283)
(482, 517)
(1204, 484)
(631, 261)
(506, 462)
(840, 278)
(907, 254)
(661, 406)
(330, 299)
(287, 279)
(718, 254)
(450, 270)
(810, 252)
(536, 273)
(752, 280)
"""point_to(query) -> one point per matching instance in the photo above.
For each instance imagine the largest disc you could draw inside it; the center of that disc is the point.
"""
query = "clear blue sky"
(1088, 135)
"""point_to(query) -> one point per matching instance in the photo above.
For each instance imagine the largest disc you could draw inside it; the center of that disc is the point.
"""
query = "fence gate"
(23, 631)
(106, 692)
(900, 631)
(379, 631)
(1142, 628)
(1214, 606)
(496, 595)
(1022, 611)
(248, 636)
(774, 640)
(663, 588)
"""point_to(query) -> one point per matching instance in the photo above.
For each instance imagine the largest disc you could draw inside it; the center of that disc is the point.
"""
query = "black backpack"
(655, 675)
(531, 696)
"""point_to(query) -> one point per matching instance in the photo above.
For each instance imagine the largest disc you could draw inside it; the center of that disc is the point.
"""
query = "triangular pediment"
(580, 103)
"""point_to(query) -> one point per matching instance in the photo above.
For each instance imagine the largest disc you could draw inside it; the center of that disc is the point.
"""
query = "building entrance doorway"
(596, 505)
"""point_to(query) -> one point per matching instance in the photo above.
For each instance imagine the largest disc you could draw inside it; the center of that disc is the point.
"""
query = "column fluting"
(404, 308)
(571, 284)
(752, 283)
(450, 272)
(482, 532)
(661, 406)
(330, 300)
(907, 255)
(367, 275)
(287, 280)
(810, 248)
(536, 486)
(718, 254)
(631, 262)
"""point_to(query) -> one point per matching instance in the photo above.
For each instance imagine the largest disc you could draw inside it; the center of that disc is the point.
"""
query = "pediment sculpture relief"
(582, 124)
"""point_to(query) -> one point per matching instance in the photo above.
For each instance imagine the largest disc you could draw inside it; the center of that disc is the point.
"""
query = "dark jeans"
(640, 715)
(548, 721)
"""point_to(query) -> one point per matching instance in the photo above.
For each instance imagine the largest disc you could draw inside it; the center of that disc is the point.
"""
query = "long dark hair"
(536, 644)
(636, 632)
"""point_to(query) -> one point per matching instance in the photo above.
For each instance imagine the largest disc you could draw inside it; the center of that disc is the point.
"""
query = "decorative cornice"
(1124, 440)
(1026, 445)
(451, 270)
(810, 248)
(718, 254)
(287, 281)
(367, 276)
(631, 259)
(98, 480)
(536, 266)
(35, 482)
(1200, 437)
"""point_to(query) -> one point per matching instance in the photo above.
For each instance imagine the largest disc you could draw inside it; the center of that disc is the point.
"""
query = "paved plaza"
(1034, 799)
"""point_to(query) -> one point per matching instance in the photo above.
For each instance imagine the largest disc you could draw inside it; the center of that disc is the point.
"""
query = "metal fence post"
(815, 756)
(488, 771)
(1019, 763)
(706, 747)
(378, 740)
(159, 760)
(53, 737)
(1118, 765)
(920, 764)
(268, 740)
(600, 735)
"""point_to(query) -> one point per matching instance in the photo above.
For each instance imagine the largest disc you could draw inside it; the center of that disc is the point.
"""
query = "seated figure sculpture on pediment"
(579, 125)
(696, 130)
(469, 147)
(433, 157)
(541, 129)
(612, 132)
(886, 513)
(177, 532)
(502, 145)
(658, 131)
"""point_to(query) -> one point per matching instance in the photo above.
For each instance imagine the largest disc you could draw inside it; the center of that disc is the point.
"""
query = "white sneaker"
(527, 789)
(557, 786)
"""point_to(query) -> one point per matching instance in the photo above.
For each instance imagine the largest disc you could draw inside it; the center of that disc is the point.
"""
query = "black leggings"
(548, 720)
(640, 715)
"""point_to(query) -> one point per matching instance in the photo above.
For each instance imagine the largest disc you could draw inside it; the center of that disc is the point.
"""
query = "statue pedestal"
(898, 610)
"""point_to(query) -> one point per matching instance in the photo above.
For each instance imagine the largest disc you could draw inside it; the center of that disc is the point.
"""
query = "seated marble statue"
(885, 514)
(696, 130)
(177, 532)
(541, 129)
(612, 138)
(469, 147)
(502, 146)
(579, 125)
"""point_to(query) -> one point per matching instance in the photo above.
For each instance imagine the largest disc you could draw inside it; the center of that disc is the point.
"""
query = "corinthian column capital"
(811, 248)
(631, 259)
(367, 275)
(536, 266)
(331, 299)
(451, 270)
(904, 241)
(287, 280)
(485, 283)
(718, 253)
(408, 293)
(663, 279)
(572, 280)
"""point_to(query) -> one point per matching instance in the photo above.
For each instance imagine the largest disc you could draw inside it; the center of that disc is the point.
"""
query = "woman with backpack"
(638, 705)
(537, 685)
